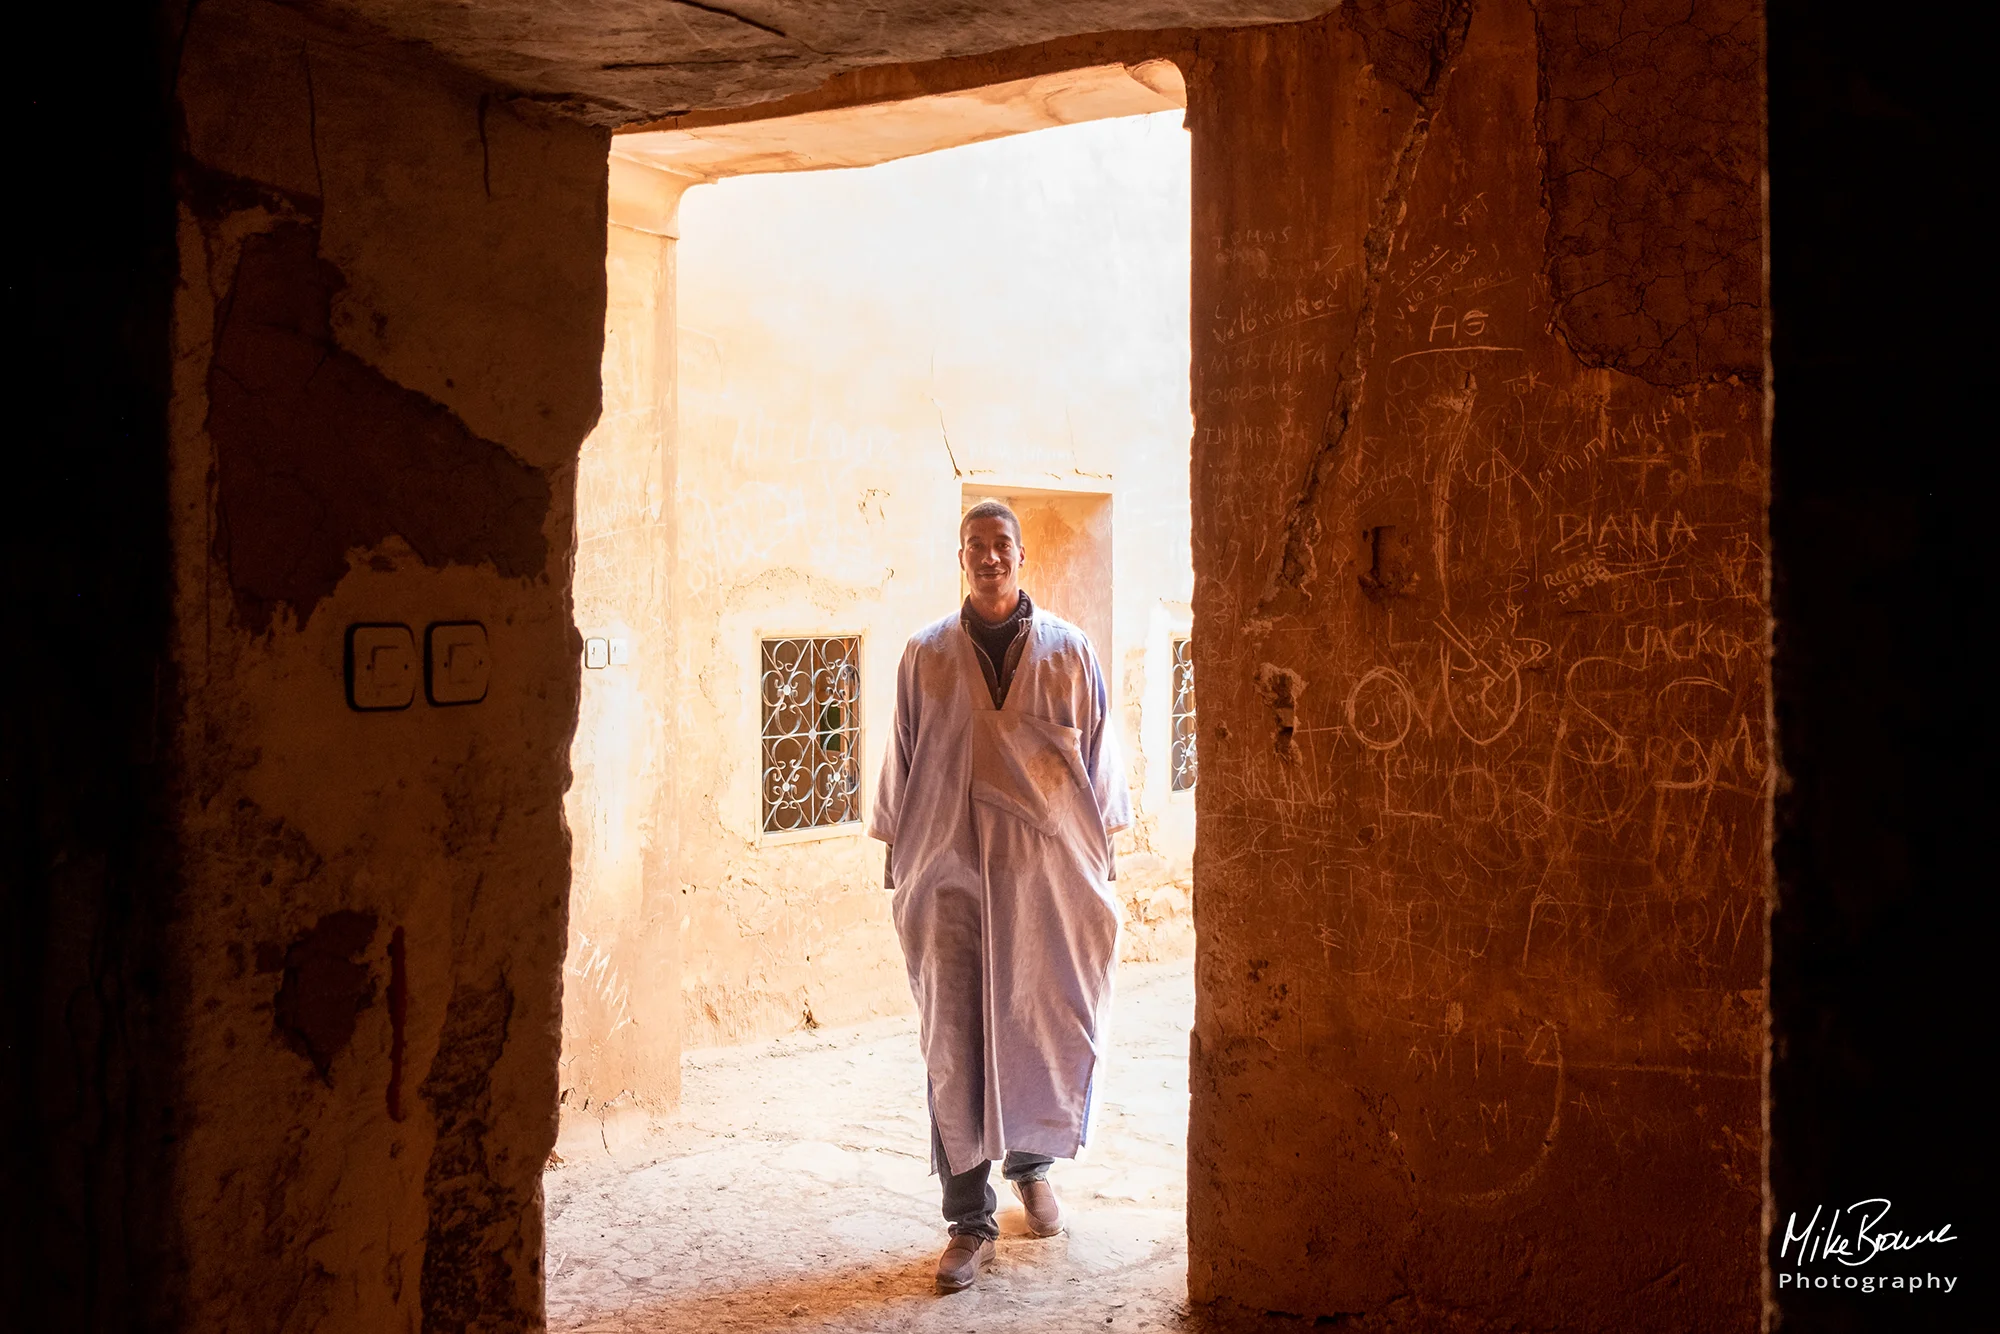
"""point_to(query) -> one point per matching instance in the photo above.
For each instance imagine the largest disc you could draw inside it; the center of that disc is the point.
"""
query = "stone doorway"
(808, 377)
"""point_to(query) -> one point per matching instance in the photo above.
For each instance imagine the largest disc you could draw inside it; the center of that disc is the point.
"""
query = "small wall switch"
(621, 652)
(381, 667)
(456, 664)
(596, 652)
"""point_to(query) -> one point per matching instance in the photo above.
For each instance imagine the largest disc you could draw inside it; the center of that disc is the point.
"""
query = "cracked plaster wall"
(1482, 629)
(386, 353)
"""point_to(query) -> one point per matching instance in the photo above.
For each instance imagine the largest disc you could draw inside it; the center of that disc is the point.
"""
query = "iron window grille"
(812, 732)
(1181, 754)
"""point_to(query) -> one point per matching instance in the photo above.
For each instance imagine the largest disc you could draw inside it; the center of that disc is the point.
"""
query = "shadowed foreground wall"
(1481, 629)
(88, 865)
(385, 342)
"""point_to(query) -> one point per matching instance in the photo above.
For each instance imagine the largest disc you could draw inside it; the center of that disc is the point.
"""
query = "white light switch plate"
(596, 652)
(621, 651)
(457, 666)
(381, 667)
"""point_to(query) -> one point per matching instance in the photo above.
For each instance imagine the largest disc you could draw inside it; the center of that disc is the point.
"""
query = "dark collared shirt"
(998, 647)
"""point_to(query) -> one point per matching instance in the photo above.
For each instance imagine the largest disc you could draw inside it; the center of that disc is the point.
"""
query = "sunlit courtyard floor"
(792, 1191)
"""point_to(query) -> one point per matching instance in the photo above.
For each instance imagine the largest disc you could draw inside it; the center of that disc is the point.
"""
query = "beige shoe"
(1045, 1215)
(962, 1260)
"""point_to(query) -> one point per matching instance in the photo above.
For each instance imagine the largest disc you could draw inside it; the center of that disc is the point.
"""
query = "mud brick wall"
(386, 342)
(1482, 632)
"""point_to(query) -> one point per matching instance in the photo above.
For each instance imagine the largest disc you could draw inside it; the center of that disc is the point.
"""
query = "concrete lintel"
(999, 483)
(874, 132)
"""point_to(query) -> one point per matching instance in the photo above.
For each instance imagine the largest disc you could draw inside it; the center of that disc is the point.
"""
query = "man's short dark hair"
(990, 509)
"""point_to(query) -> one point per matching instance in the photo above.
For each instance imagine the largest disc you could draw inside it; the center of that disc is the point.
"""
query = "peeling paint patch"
(318, 453)
(324, 987)
(1281, 688)
(1391, 572)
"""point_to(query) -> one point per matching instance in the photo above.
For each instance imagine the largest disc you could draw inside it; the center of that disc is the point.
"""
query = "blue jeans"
(969, 1200)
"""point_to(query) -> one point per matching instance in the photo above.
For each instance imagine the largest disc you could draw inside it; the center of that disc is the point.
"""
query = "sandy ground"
(792, 1191)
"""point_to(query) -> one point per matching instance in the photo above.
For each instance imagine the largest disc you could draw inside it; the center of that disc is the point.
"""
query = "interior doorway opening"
(809, 377)
(1071, 536)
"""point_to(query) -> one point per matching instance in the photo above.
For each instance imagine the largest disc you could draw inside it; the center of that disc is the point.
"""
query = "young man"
(999, 795)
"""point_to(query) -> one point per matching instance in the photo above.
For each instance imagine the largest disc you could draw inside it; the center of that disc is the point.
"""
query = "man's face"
(992, 559)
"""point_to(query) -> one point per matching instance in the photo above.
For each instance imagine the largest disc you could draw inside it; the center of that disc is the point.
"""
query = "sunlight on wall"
(860, 352)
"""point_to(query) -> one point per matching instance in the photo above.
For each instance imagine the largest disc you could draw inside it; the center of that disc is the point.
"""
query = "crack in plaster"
(1439, 47)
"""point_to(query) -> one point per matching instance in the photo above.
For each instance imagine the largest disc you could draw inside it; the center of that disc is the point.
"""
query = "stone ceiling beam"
(625, 62)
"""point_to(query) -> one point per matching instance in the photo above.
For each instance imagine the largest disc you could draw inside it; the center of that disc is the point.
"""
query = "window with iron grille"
(812, 732)
(1181, 755)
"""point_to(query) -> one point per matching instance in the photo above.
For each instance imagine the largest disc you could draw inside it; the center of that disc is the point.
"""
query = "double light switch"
(599, 652)
(382, 665)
